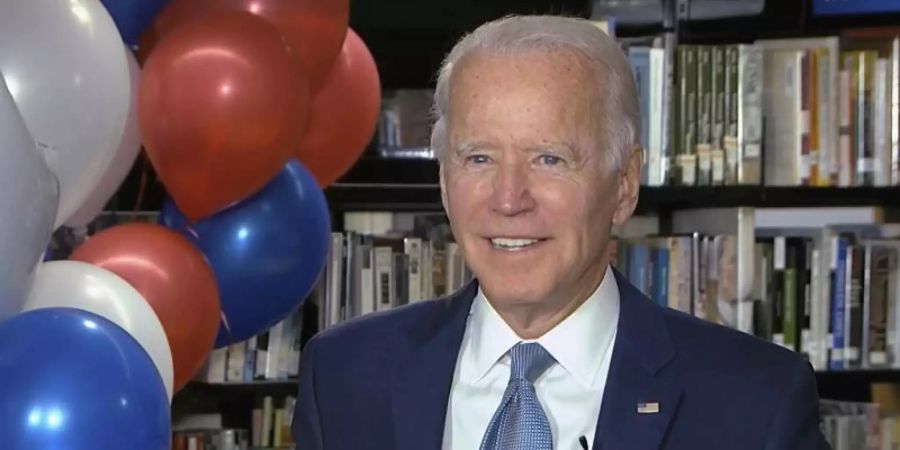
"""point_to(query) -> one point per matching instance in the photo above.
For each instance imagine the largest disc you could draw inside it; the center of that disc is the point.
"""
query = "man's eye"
(478, 159)
(550, 160)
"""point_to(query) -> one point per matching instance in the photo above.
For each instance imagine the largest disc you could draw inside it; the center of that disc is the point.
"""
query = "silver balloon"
(126, 153)
(28, 199)
(66, 67)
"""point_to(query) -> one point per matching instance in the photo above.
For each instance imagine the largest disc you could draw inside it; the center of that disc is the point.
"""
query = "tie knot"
(529, 361)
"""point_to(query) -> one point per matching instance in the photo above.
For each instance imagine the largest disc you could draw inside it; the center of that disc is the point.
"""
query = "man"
(537, 135)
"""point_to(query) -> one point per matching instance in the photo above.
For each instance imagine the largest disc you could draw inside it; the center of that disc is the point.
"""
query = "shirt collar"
(578, 343)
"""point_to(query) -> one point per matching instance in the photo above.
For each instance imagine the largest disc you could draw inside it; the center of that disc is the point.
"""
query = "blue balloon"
(132, 17)
(266, 251)
(74, 380)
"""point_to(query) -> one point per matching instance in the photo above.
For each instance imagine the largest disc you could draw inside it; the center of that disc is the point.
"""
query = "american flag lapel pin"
(648, 408)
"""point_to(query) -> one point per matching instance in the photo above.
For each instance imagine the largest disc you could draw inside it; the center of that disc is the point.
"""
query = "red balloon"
(343, 114)
(222, 107)
(315, 29)
(173, 277)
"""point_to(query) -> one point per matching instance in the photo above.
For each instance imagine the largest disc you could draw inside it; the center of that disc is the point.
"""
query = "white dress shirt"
(570, 391)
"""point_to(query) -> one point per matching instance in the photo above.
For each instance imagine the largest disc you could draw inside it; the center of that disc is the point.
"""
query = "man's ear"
(629, 186)
(443, 183)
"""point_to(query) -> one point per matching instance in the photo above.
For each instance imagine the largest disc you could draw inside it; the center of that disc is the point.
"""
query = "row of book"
(212, 439)
(787, 112)
(858, 426)
(830, 293)
(271, 423)
(369, 272)
(271, 355)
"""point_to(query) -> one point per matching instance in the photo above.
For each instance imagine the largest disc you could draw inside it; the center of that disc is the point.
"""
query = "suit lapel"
(422, 377)
(642, 391)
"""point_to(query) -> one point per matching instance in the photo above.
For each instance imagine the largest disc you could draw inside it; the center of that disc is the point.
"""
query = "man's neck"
(533, 321)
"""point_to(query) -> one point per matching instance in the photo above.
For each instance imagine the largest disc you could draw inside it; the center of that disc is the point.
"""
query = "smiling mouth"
(513, 244)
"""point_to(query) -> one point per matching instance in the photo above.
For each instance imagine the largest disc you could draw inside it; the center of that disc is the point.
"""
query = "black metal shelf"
(379, 184)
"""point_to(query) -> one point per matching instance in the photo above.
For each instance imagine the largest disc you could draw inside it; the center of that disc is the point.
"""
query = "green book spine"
(687, 114)
(704, 115)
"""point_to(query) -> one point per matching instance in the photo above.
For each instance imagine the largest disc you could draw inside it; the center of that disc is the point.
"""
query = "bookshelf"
(408, 40)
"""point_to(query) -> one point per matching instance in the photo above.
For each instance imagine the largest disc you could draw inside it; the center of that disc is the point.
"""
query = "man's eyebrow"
(558, 146)
(470, 146)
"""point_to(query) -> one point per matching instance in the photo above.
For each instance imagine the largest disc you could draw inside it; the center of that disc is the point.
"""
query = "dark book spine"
(854, 318)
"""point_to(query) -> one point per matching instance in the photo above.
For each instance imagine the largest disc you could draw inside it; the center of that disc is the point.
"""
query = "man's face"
(530, 195)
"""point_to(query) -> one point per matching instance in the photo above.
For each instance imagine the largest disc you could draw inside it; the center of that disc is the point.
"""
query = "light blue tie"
(520, 422)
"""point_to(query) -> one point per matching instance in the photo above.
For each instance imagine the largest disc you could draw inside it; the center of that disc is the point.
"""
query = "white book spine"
(335, 270)
(895, 111)
(654, 151)
(882, 122)
(275, 344)
(845, 174)
(236, 354)
(751, 73)
(217, 365)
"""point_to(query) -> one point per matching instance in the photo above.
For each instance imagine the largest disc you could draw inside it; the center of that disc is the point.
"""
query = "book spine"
(853, 319)
(878, 274)
(655, 153)
(383, 278)
(845, 137)
(639, 58)
(717, 114)
(838, 308)
(750, 114)
(413, 249)
(778, 291)
(687, 115)
(816, 110)
(827, 123)
(730, 114)
(791, 302)
(895, 111)
(881, 126)
(661, 276)
(703, 148)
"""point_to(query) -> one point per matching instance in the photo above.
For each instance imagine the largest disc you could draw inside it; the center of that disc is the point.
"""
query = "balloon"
(266, 251)
(72, 284)
(133, 16)
(126, 153)
(343, 114)
(173, 277)
(74, 380)
(222, 105)
(29, 196)
(67, 70)
(315, 29)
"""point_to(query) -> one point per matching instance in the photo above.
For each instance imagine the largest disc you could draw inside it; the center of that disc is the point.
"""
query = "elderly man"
(537, 134)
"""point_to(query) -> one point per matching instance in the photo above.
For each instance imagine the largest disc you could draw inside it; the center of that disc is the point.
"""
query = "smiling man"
(549, 348)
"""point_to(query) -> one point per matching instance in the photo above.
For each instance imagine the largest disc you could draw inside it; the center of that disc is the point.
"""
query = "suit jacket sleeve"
(795, 425)
(306, 426)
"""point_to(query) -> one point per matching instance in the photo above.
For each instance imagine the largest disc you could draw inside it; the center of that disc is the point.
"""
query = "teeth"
(512, 244)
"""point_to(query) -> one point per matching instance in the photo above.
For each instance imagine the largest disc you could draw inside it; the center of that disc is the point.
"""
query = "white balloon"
(67, 70)
(126, 153)
(74, 284)
(28, 199)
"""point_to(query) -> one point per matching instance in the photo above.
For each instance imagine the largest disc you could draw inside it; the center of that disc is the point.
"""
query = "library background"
(208, 241)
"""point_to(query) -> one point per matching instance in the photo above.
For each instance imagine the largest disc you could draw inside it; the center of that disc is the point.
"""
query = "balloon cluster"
(247, 109)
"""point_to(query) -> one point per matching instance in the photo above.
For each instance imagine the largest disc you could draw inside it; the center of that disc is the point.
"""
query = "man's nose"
(511, 191)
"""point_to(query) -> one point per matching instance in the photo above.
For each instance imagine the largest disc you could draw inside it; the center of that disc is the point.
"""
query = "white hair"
(604, 58)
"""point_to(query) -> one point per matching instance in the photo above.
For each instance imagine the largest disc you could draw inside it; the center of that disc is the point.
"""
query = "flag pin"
(648, 408)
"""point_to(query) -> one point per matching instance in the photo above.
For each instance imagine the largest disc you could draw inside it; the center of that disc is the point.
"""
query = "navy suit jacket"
(383, 382)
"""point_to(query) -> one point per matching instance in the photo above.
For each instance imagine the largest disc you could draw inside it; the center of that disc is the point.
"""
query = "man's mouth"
(513, 244)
